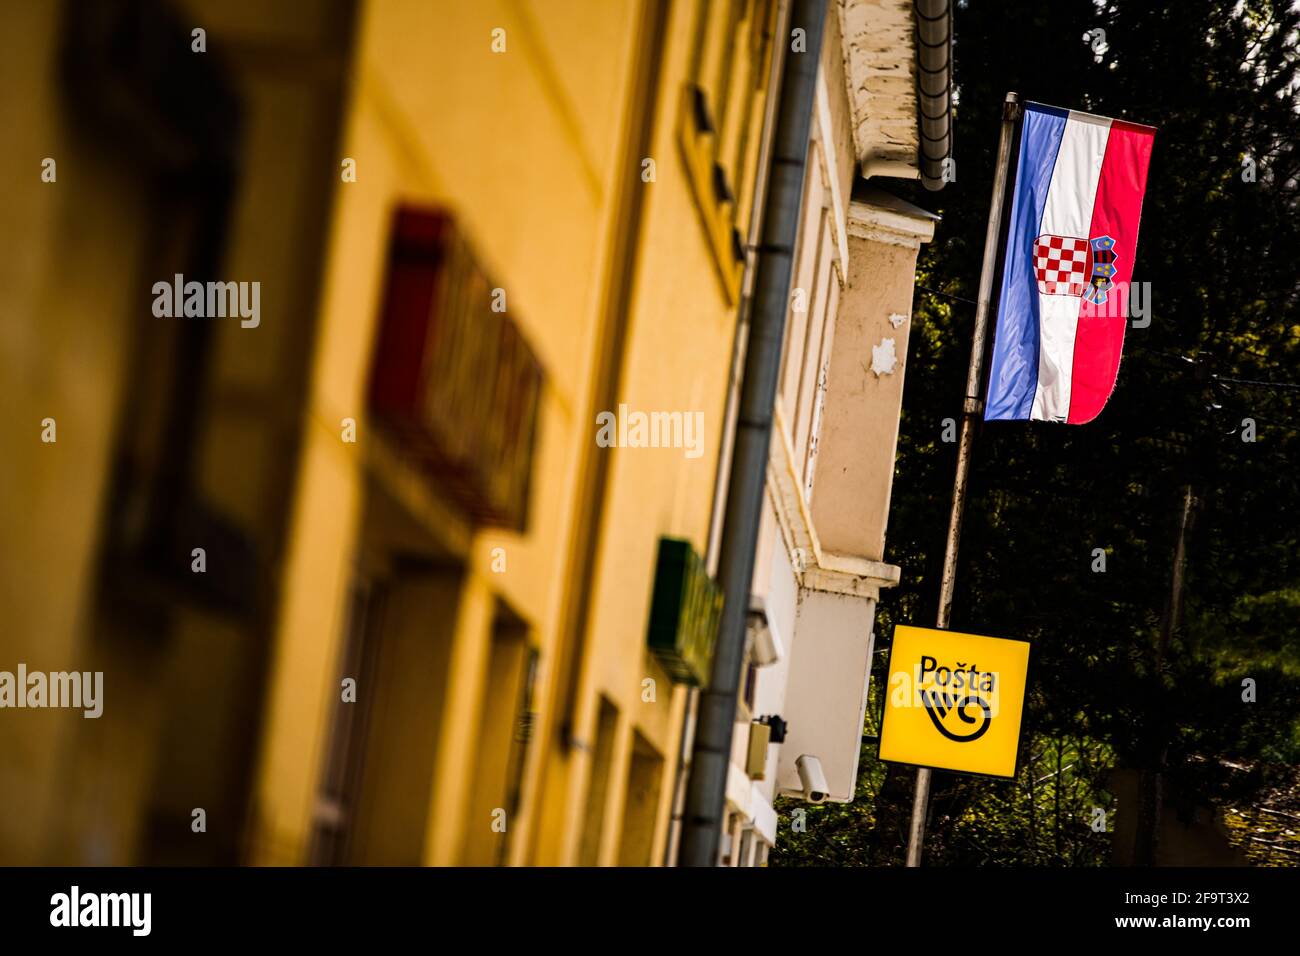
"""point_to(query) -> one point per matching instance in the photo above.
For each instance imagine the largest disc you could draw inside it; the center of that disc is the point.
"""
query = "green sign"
(684, 613)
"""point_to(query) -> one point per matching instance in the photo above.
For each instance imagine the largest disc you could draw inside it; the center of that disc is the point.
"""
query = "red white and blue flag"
(1073, 233)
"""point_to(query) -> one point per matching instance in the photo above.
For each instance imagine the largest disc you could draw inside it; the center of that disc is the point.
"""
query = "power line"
(1256, 382)
(947, 295)
(1214, 376)
(1174, 355)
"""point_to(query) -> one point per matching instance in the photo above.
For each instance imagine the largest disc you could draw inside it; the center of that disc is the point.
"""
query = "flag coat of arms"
(1075, 209)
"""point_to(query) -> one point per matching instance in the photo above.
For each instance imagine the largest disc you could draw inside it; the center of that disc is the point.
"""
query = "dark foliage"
(1221, 254)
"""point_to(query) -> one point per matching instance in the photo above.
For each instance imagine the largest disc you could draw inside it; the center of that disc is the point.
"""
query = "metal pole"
(972, 408)
(707, 786)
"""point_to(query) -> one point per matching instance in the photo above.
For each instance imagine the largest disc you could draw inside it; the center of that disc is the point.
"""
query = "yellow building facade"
(565, 139)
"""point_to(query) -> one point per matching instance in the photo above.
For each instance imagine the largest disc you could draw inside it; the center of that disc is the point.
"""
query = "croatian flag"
(1073, 233)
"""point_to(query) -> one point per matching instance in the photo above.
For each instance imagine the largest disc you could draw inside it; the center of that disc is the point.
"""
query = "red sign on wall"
(453, 380)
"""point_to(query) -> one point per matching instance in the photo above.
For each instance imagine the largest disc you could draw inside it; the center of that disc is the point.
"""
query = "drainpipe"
(706, 792)
(934, 88)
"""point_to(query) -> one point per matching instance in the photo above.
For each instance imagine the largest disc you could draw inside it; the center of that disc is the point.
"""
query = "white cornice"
(891, 225)
(880, 78)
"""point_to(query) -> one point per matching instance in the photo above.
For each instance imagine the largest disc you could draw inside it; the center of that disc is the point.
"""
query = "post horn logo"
(962, 691)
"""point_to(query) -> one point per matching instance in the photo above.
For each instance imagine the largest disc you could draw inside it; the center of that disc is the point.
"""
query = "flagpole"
(972, 409)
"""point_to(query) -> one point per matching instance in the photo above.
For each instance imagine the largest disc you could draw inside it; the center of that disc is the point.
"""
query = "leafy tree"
(1220, 251)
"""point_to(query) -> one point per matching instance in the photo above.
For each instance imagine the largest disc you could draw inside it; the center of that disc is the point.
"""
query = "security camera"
(813, 780)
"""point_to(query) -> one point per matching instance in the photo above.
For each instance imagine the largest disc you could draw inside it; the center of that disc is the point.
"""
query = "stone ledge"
(814, 568)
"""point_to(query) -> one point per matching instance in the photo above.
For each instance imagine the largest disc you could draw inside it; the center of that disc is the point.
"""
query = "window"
(601, 767)
(641, 806)
(372, 804)
(502, 738)
(721, 105)
(746, 847)
(751, 683)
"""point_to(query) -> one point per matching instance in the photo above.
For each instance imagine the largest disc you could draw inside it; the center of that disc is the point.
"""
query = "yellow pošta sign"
(953, 701)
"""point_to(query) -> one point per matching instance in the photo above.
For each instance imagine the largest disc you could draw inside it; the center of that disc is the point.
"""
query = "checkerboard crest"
(1061, 264)
(1067, 265)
